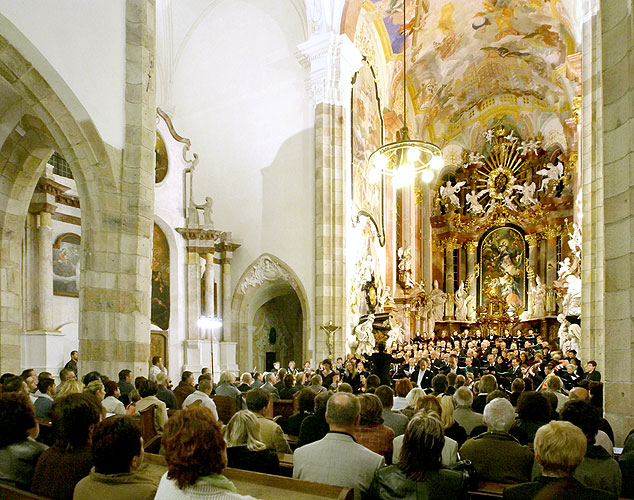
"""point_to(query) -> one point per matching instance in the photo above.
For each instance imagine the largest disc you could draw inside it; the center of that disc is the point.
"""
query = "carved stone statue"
(365, 336)
(474, 206)
(461, 303)
(471, 307)
(193, 221)
(572, 299)
(437, 298)
(396, 334)
(404, 266)
(538, 294)
(208, 211)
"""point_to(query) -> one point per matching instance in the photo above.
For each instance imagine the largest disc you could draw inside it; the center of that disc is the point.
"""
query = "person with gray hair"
(463, 414)
(337, 459)
(225, 387)
(270, 380)
(496, 455)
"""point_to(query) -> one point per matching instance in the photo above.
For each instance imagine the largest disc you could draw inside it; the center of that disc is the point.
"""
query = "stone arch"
(264, 279)
(55, 120)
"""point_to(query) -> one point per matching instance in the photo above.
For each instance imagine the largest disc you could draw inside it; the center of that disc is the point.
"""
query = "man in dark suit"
(381, 363)
(422, 376)
(591, 373)
(470, 368)
(559, 448)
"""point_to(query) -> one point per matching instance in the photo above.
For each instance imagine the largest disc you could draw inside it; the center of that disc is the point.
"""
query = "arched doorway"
(270, 296)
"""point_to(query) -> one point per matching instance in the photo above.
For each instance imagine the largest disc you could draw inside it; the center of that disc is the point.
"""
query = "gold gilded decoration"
(499, 216)
(471, 246)
(451, 243)
(551, 232)
(532, 239)
(161, 159)
(576, 109)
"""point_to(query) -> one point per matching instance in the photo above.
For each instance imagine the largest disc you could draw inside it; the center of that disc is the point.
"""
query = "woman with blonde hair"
(244, 448)
(73, 386)
(451, 428)
(410, 402)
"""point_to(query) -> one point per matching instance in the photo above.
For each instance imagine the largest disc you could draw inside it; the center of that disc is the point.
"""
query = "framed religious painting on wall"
(502, 271)
(366, 137)
(160, 309)
(66, 254)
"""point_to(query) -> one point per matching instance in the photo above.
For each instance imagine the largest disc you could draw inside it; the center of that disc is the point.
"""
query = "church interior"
(205, 180)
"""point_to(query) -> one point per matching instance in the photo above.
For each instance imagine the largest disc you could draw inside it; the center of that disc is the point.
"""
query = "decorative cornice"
(202, 241)
(69, 219)
(50, 186)
(266, 269)
(451, 243)
(170, 127)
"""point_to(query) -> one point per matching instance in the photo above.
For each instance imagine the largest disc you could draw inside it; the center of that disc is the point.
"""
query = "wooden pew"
(12, 493)
(487, 491)
(47, 432)
(283, 408)
(268, 486)
(225, 406)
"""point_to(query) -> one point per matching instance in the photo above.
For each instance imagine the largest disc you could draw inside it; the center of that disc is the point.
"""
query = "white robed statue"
(461, 303)
(365, 336)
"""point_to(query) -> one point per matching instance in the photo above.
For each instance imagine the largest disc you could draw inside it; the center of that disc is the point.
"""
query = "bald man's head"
(579, 394)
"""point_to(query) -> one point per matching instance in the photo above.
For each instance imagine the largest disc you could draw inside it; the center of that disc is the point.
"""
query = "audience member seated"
(496, 455)
(117, 452)
(226, 387)
(337, 459)
(45, 401)
(290, 389)
(626, 463)
(314, 427)
(463, 414)
(165, 394)
(605, 436)
(244, 448)
(533, 411)
(134, 398)
(125, 386)
(371, 383)
(316, 384)
(281, 373)
(410, 402)
(419, 473)
(195, 456)
(69, 460)
(371, 432)
(66, 374)
(488, 384)
(245, 382)
(306, 404)
(184, 388)
(13, 383)
(430, 405)
(269, 386)
(518, 386)
(352, 377)
(201, 396)
(148, 391)
(345, 387)
(395, 421)
(70, 387)
(559, 449)
(257, 381)
(19, 451)
(111, 402)
(553, 384)
(260, 402)
(90, 376)
(598, 470)
(439, 385)
(451, 428)
(401, 390)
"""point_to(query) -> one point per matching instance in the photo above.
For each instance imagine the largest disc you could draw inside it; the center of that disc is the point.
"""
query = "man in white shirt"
(156, 368)
(202, 395)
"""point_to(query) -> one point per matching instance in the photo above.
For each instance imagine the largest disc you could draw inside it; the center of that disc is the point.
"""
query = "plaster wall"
(243, 103)
(81, 48)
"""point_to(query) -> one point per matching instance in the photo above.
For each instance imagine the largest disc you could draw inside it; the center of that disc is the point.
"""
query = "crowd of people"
(421, 420)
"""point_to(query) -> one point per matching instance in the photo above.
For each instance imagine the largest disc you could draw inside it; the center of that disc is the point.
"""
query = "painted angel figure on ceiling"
(528, 193)
(474, 205)
(552, 172)
(450, 192)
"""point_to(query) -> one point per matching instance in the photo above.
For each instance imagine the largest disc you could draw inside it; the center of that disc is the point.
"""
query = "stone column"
(471, 247)
(330, 60)
(532, 240)
(551, 268)
(450, 247)
(209, 284)
(228, 346)
(45, 265)
(193, 294)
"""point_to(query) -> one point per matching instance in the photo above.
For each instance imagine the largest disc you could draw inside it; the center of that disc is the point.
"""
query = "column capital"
(551, 232)
(471, 246)
(330, 59)
(532, 239)
(452, 243)
(202, 241)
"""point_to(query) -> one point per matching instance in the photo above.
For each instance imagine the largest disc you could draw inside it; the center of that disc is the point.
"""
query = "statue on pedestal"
(461, 303)
(396, 334)
(208, 211)
(538, 294)
(364, 334)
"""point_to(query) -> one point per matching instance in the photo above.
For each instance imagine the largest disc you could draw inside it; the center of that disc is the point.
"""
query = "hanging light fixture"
(404, 159)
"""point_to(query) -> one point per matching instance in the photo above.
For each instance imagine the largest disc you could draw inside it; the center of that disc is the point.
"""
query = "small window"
(60, 166)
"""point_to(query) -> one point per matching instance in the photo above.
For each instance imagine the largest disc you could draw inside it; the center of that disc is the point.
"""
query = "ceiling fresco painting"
(462, 53)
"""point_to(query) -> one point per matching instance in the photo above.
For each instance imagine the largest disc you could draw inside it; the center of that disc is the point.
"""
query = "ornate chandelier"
(405, 158)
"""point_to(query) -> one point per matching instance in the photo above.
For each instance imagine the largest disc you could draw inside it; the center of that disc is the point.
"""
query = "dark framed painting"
(366, 137)
(160, 310)
(161, 159)
(66, 255)
(502, 271)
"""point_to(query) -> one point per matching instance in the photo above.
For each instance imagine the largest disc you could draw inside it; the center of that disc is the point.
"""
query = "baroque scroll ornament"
(266, 269)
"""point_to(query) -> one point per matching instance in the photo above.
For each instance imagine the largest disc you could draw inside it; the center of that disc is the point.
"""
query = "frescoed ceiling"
(463, 52)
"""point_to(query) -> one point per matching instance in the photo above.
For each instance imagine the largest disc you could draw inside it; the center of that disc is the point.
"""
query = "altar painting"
(160, 311)
(367, 136)
(502, 268)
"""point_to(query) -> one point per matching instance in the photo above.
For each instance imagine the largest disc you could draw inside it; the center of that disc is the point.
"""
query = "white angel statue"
(528, 193)
(475, 207)
(552, 172)
(449, 192)
(365, 336)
